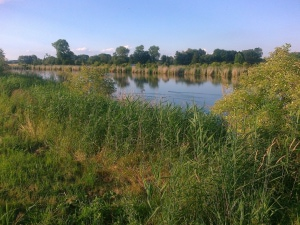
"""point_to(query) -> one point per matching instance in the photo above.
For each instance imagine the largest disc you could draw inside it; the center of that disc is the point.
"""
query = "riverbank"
(74, 158)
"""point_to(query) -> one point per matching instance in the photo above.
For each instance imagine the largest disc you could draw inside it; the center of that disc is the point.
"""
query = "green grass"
(71, 158)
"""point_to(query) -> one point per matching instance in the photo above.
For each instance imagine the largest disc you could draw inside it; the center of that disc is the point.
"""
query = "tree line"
(64, 56)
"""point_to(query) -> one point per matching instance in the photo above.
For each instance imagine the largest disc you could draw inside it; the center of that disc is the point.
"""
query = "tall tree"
(63, 52)
(154, 53)
(121, 55)
(140, 56)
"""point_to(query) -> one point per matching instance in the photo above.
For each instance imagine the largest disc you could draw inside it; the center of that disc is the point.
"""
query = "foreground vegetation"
(70, 155)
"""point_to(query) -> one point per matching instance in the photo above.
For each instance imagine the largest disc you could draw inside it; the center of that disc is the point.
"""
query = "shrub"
(267, 99)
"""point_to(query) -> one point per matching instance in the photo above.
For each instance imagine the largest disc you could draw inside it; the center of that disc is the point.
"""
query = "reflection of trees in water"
(142, 79)
(139, 82)
(153, 80)
(122, 81)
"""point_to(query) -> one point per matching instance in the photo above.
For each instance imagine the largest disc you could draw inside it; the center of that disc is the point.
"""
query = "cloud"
(79, 49)
(108, 50)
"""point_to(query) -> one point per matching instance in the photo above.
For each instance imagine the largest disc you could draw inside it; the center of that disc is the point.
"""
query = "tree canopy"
(29, 59)
(140, 56)
(121, 56)
(63, 52)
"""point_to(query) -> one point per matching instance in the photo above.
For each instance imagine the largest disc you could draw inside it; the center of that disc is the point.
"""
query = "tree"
(140, 56)
(154, 53)
(183, 58)
(3, 63)
(239, 58)
(63, 52)
(166, 60)
(190, 56)
(105, 58)
(253, 56)
(81, 59)
(220, 55)
(120, 56)
(49, 60)
(296, 54)
(29, 59)
(267, 100)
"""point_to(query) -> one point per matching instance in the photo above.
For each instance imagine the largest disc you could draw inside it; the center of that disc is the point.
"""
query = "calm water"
(167, 89)
(178, 90)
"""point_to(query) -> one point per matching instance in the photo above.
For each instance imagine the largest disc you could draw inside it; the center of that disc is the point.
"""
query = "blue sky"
(92, 27)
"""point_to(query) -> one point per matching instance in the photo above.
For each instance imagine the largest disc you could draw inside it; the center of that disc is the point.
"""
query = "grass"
(73, 158)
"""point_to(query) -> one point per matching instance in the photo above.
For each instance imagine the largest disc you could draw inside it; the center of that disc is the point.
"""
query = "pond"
(179, 90)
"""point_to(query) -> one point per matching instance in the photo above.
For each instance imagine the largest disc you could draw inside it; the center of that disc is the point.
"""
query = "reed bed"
(226, 70)
(71, 158)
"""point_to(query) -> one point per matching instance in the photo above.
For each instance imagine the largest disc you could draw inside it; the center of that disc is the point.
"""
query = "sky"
(29, 27)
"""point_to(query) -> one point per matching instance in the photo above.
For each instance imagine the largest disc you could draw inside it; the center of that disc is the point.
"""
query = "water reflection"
(180, 90)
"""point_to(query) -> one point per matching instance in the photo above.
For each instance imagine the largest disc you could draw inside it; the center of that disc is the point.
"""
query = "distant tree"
(239, 58)
(140, 56)
(93, 59)
(49, 60)
(183, 58)
(166, 60)
(197, 55)
(190, 56)
(195, 58)
(100, 59)
(154, 53)
(296, 54)
(29, 59)
(253, 56)
(206, 59)
(3, 62)
(221, 55)
(105, 58)
(81, 59)
(120, 56)
(63, 52)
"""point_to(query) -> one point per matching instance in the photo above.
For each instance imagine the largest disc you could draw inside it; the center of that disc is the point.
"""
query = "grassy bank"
(73, 158)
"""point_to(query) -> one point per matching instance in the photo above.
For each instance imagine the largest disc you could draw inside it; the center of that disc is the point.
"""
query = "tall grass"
(71, 158)
(215, 69)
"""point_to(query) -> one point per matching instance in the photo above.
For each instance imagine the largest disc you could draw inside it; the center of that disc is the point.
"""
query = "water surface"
(179, 90)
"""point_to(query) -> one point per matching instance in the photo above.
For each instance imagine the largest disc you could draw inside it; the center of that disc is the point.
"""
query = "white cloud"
(79, 49)
(108, 50)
